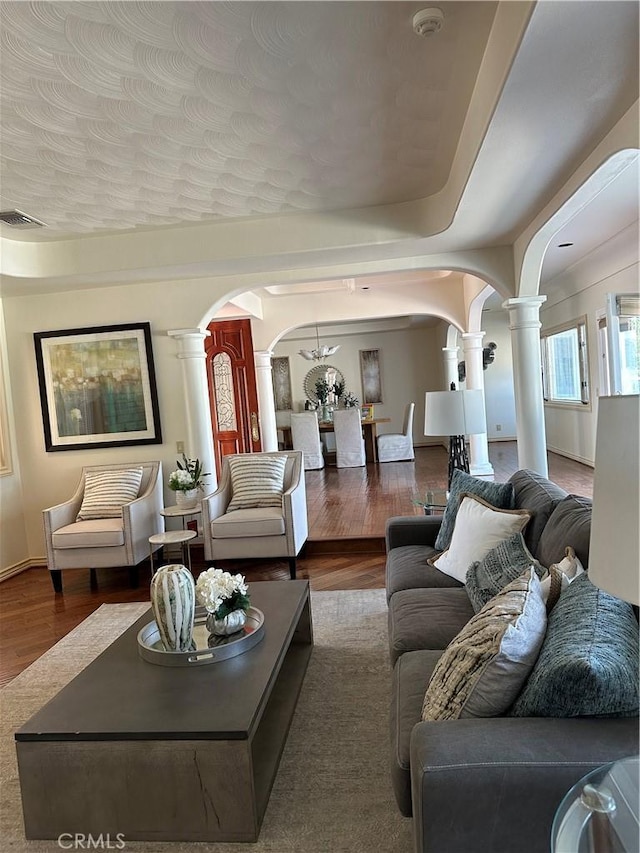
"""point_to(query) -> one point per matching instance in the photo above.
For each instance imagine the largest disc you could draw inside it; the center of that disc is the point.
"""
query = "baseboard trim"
(573, 456)
(18, 568)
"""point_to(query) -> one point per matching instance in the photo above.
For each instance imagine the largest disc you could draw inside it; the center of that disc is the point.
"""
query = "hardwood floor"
(347, 509)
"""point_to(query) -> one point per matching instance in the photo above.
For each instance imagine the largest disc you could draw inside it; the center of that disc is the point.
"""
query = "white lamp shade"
(454, 412)
(614, 547)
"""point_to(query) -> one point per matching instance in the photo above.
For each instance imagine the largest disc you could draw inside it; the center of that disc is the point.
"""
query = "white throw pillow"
(479, 528)
(561, 574)
(106, 492)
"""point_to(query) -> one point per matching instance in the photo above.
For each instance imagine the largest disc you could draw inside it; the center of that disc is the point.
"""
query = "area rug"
(333, 791)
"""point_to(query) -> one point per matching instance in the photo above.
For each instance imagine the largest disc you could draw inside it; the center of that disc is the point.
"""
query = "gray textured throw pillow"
(588, 663)
(499, 495)
(503, 564)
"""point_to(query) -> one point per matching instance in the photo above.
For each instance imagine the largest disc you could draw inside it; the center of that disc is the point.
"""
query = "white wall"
(581, 290)
(410, 363)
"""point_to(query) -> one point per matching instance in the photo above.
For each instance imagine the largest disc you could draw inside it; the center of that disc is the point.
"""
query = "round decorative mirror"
(319, 372)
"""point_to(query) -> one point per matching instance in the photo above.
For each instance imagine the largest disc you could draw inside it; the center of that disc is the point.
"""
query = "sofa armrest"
(495, 784)
(412, 530)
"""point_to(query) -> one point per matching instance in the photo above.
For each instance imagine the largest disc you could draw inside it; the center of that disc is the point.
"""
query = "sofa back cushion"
(540, 497)
(588, 663)
(501, 565)
(568, 525)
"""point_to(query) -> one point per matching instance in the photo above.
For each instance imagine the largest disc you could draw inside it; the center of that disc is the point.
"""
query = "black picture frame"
(97, 387)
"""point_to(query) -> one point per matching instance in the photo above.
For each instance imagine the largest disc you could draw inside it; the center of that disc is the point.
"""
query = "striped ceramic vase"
(173, 599)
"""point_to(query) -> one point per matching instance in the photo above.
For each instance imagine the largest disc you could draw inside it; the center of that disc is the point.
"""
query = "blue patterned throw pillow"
(588, 663)
(503, 564)
(499, 495)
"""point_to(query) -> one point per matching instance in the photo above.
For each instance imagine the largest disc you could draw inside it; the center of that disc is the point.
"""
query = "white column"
(266, 402)
(479, 464)
(196, 398)
(524, 322)
(450, 366)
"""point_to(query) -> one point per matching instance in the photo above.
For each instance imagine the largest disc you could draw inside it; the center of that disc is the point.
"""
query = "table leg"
(370, 442)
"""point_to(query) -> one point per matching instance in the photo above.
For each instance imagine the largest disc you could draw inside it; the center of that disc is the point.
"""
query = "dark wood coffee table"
(169, 753)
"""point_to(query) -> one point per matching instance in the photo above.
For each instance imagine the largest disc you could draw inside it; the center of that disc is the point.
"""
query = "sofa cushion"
(503, 564)
(106, 492)
(588, 663)
(243, 523)
(96, 533)
(256, 480)
(540, 497)
(499, 495)
(426, 619)
(407, 568)
(410, 677)
(569, 524)
(484, 667)
(479, 527)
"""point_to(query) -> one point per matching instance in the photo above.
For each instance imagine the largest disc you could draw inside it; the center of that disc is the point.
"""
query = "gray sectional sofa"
(488, 785)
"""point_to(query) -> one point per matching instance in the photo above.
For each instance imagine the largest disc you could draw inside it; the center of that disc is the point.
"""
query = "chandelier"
(320, 352)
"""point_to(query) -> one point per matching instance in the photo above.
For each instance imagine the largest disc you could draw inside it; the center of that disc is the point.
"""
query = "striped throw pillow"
(105, 492)
(256, 481)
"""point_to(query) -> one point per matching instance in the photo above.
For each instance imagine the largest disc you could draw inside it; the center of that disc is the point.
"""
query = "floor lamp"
(456, 414)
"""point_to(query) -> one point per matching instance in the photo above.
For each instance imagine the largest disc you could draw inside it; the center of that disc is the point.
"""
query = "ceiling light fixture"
(426, 22)
(320, 352)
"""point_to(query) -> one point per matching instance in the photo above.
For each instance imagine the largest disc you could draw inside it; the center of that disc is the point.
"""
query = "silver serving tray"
(150, 645)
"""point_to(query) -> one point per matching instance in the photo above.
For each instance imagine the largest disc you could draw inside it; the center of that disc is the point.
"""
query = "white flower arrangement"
(221, 592)
(189, 475)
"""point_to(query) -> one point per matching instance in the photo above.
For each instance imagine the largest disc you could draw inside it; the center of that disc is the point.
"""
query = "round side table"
(173, 537)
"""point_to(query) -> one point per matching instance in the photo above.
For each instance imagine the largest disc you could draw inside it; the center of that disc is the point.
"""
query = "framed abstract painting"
(97, 387)
(370, 374)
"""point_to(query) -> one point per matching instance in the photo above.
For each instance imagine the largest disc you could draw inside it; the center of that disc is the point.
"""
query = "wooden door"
(233, 397)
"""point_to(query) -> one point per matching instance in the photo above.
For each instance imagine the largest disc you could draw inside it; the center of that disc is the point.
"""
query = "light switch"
(180, 446)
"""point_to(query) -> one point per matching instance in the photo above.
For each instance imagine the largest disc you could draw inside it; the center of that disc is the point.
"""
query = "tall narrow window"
(619, 344)
(223, 385)
(565, 373)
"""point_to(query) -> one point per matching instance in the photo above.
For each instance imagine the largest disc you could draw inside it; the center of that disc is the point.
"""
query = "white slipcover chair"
(396, 447)
(305, 436)
(283, 420)
(350, 452)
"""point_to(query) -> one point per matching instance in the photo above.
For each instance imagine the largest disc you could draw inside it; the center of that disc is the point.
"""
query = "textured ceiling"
(118, 115)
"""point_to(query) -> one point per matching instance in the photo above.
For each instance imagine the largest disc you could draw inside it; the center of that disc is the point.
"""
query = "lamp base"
(458, 456)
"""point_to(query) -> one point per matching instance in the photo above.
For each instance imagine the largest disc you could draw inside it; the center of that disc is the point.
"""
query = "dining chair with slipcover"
(350, 449)
(305, 436)
(397, 447)
(107, 522)
(258, 510)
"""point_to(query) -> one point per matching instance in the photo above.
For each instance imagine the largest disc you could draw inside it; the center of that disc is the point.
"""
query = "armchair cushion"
(257, 521)
(106, 492)
(96, 533)
(256, 481)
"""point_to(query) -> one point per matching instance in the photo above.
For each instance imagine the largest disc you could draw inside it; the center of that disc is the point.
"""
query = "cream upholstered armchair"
(397, 447)
(107, 522)
(259, 509)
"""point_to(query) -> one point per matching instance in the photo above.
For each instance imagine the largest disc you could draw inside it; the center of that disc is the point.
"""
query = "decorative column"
(479, 464)
(266, 402)
(450, 366)
(524, 322)
(196, 398)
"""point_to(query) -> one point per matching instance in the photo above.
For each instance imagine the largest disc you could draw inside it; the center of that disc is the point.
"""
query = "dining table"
(369, 433)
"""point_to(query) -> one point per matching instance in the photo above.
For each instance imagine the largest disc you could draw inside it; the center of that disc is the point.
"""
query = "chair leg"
(134, 577)
(56, 579)
(292, 568)
(93, 579)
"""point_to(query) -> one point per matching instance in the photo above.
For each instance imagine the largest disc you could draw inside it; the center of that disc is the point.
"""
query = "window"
(565, 374)
(619, 342)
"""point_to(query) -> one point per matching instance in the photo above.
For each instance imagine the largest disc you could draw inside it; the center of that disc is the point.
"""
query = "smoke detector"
(426, 22)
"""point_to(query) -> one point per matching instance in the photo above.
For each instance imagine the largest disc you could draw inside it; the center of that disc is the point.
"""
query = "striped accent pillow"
(256, 481)
(105, 492)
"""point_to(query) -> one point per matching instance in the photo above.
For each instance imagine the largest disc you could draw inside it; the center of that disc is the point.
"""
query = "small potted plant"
(224, 596)
(322, 393)
(187, 481)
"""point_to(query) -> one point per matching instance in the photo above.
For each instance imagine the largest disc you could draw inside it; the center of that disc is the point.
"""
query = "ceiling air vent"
(18, 219)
